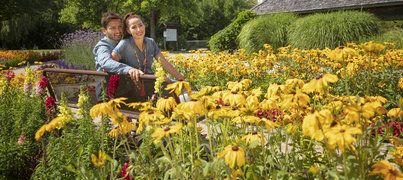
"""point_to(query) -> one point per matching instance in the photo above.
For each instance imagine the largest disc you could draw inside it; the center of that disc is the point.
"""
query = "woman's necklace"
(137, 57)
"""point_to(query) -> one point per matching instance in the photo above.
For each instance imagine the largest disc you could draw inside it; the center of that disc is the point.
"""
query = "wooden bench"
(131, 113)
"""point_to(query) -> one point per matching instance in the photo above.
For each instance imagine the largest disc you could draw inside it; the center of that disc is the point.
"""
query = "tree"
(24, 21)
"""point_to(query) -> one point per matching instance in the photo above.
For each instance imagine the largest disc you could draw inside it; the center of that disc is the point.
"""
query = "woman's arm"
(169, 68)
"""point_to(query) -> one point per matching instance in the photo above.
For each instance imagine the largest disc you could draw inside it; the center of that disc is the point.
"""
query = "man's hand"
(135, 76)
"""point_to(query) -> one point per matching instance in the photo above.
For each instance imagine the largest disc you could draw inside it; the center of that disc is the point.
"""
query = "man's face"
(114, 30)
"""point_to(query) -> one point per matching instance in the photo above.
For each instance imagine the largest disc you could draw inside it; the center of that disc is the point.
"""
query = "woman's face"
(136, 28)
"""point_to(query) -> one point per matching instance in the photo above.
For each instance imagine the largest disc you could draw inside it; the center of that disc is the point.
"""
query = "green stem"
(345, 166)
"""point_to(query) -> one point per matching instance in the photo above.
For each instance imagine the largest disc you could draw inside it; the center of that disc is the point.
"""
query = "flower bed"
(13, 59)
(327, 114)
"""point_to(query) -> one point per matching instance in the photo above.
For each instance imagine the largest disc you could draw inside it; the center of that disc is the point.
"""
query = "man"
(113, 30)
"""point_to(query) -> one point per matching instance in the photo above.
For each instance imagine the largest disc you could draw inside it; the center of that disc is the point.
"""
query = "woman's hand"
(135, 76)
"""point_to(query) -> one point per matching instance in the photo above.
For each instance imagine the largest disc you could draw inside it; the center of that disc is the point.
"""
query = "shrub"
(266, 29)
(225, 39)
(394, 35)
(332, 29)
(77, 47)
(20, 116)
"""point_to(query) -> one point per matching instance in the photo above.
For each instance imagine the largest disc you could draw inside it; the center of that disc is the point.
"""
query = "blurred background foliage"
(41, 23)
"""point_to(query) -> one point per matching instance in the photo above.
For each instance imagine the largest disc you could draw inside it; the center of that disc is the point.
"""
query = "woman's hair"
(126, 19)
(107, 17)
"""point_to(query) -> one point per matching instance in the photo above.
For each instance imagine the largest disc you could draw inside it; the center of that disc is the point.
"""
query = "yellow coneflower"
(255, 136)
(233, 154)
(275, 90)
(166, 104)
(269, 124)
(395, 112)
(159, 133)
(100, 160)
(341, 135)
(297, 83)
(101, 109)
(194, 106)
(234, 98)
(205, 91)
(372, 47)
(296, 99)
(317, 84)
(314, 169)
(114, 132)
(143, 106)
(125, 126)
(398, 155)
(315, 124)
(117, 117)
(117, 101)
(388, 171)
(178, 86)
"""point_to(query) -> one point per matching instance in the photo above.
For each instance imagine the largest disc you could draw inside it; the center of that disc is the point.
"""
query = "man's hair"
(107, 17)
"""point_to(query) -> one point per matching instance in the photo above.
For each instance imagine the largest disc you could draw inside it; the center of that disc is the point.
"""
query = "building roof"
(308, 6)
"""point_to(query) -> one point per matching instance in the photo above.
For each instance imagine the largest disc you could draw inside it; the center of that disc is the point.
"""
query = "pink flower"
(40, 85)
(22, 139)
(9, 75)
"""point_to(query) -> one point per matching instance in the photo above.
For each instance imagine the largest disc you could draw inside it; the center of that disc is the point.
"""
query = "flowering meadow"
(276, 114)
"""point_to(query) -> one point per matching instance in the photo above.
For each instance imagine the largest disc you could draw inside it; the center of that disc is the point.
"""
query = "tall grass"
(332, 29)
(77, 47)
(394, 35)
(266, 29)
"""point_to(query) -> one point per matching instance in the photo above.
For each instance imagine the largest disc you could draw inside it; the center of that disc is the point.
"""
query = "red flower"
(123, 172)
(113, 85)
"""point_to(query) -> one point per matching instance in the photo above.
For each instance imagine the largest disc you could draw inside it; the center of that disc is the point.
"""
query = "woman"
(138, 51)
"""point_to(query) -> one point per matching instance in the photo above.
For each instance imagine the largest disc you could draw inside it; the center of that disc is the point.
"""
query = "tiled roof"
(274, 6)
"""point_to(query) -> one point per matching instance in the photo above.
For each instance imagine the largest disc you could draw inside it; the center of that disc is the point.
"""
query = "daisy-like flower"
(269, 124)
(314, 125)
(194, 107)
(398, 155)
(341, 135)
(239, 85)
(234, 98)
(115, 103)
(317, 84)
(101, 109)
(275, 90)
(117, 117)
(100, 160)
(144, 106)
(255, 136)
(166, 104)
(388, 171)
(342, 53)
(297, 83)
(206, 90)
(372, 47)
(395, 112)
(114, 132)
(233, 154)
(159, 133)
(296, 99)
(178, 86)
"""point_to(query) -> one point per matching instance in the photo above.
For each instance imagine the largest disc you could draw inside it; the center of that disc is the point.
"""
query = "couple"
(131, 55)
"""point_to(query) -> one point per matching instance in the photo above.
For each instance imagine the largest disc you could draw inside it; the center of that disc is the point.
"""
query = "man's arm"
(105, 62)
